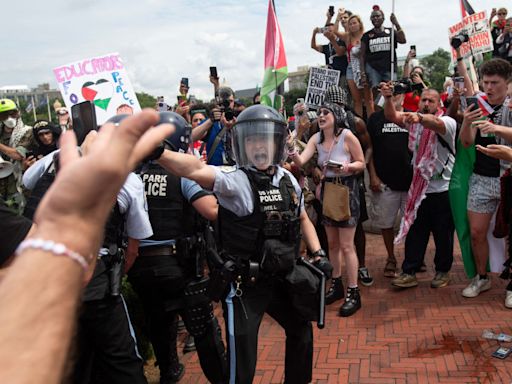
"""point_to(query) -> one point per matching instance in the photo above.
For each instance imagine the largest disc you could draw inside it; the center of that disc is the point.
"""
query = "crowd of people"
(224, 202)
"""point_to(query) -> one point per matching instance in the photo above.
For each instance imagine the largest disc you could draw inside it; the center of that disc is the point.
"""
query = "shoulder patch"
(227, 168)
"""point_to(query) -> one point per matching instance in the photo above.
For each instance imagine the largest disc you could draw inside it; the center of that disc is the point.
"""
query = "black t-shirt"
(378, 49)
(391, 156)
(13, 229)
(340, 63)
(486, 165)
(495, 32)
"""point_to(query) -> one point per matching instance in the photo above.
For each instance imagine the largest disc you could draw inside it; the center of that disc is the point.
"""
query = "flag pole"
(48, 105)
(34, 107)
(392, 44)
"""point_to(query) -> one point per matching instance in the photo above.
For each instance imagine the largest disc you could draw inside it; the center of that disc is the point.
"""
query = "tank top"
(338, 153)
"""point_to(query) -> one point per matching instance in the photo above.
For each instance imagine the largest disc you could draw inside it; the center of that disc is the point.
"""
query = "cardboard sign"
(102, 80)
(319, 80)
(476, 26)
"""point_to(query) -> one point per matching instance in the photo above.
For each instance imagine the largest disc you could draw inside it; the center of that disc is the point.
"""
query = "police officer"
(260, 217)
(168, 274)
(106, 348)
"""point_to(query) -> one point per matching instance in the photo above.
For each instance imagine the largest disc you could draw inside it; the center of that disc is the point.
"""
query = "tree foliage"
(436, 67)
(146, 100)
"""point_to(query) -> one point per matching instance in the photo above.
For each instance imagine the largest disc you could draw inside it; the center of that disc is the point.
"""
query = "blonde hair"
(361, 26)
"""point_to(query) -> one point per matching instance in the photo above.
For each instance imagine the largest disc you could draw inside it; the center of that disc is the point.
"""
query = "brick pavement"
(418, 335)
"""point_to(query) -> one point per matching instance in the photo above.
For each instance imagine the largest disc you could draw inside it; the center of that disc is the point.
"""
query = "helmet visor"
(259, 143)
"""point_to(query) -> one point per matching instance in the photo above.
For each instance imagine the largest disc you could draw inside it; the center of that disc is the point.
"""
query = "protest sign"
(102, 80)
(319, 80)
(476, 26)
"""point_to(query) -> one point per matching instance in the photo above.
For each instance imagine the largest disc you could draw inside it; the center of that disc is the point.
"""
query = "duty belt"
(158, 251)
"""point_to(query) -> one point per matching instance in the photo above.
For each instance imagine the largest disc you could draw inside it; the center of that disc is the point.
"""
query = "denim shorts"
(375, 77)
(350, 74)
(484, 194)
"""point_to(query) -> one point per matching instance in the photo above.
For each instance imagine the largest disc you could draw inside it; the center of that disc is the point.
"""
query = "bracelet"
(57, 249)
(459, 59)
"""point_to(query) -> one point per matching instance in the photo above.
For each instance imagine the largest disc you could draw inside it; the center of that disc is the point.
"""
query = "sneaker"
(508, 299)
(476, 286)
(364, 277)
(440, 280)
(405, 281)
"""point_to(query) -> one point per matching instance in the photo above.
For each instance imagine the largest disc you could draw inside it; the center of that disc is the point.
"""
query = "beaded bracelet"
(53, 247)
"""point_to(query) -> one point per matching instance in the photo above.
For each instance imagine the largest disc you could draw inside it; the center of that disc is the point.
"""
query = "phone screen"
(84, 119)
(213, 72)
(473, 101)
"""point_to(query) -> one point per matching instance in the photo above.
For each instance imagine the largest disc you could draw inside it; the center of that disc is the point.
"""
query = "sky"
(161, 41)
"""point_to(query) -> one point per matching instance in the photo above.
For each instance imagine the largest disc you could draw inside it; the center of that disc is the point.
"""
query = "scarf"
(424, 168)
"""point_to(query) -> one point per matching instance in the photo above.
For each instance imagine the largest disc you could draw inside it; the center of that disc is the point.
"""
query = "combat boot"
(352, 302)
(335, 291)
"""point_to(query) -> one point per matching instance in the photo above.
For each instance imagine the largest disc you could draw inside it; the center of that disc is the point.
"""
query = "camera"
(224, 104)
(405, 86)
(457, 40)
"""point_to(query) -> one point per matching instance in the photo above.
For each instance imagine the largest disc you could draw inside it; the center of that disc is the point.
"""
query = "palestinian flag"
(276, 70)
(466, 8)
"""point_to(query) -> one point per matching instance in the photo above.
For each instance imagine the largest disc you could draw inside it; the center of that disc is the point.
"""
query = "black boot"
(335, 291)
(352, 302)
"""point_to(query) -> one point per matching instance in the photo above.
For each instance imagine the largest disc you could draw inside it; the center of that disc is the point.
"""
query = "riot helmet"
(259, 137)
(179, 140)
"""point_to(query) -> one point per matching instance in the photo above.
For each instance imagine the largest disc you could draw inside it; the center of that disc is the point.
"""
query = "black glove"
(322, 263)
(155, 155)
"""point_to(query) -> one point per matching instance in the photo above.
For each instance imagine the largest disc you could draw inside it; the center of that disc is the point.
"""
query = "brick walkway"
(417, 335)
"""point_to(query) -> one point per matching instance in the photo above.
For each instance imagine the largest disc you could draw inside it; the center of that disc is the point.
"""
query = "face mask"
(10, 122)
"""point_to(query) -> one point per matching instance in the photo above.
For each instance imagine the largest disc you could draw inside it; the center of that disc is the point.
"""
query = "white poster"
(102, 80)
(319, 80)
(476, 26)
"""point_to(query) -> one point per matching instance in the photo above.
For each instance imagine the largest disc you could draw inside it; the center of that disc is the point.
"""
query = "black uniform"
(168, 277)
(263, 246)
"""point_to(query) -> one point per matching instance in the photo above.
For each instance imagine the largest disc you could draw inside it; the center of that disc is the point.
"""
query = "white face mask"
(10, 122)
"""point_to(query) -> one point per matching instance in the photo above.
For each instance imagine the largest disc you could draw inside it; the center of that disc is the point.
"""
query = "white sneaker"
(476, 286)
(508, 299)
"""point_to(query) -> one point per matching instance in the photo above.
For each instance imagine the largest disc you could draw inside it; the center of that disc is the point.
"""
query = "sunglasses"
(502, 14)
(323, 112)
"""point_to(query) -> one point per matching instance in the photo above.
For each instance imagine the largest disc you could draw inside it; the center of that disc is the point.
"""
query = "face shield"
(259, 144)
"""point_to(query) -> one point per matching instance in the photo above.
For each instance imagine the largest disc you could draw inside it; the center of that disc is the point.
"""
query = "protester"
(64, 119)
(432, 141)
(15, 139)
(504, 41)
(216, 131)
(46, 136)
(37, 324)
(13, 229)
(497, 28)
(337, 95)
(355, 79)
(484, 184)
(390, 173)
(336, 142)
(256, 201)
(376, 48)
(334, 52)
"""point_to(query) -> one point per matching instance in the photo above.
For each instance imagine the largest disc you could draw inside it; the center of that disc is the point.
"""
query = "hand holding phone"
(83, 116)
(213, 72)
(331, 10)
(473, 102)
(334, 164)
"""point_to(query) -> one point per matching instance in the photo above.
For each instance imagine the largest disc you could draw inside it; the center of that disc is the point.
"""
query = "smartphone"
(184, 81)
(83, 116)
(213, 72)
(334, 164)
(28, 154)
(502, 352)
(323, 29)
(300, 100)
(472, 100)
(458, 82)
(331, 10)
(413, 48)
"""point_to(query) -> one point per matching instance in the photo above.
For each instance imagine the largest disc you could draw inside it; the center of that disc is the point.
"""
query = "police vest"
(171, 216)
(243, 237)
